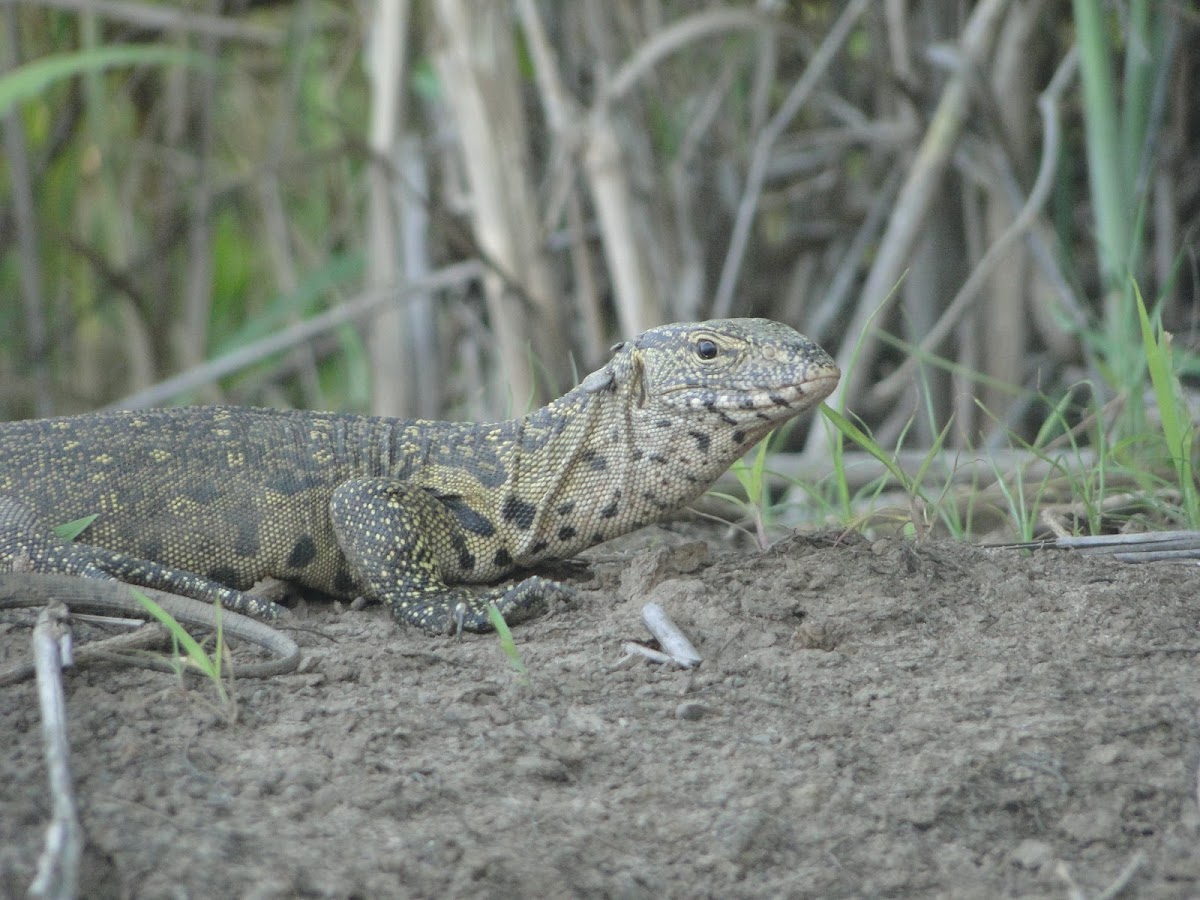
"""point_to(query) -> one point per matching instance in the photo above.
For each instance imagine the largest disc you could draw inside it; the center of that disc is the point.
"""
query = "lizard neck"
(596, 464)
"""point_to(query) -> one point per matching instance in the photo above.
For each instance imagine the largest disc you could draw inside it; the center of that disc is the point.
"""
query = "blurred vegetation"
(452, 208)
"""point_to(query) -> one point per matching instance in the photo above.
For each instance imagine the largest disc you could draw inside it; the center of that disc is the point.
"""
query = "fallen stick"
(669, 637)
(24, 589)
(58, 867)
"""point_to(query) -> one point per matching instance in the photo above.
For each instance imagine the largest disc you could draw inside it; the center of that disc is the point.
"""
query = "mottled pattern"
(205, 501)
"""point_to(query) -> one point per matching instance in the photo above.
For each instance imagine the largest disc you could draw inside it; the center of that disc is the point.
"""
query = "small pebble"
(690, 710)
(1031, 854)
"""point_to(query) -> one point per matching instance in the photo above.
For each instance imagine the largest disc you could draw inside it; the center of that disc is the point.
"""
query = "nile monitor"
(204, 501)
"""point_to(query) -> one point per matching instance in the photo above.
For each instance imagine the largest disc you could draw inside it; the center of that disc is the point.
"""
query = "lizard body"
(205, 501)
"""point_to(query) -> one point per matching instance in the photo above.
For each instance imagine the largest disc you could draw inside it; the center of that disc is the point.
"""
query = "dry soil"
(871, 719)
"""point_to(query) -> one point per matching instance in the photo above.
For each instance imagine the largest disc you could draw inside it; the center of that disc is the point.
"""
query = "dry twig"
(58, 867)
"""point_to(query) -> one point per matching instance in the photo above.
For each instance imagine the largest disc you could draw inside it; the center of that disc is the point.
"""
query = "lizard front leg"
(400, 542)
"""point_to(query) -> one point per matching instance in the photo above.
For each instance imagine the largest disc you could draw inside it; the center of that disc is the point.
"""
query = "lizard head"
(752, 374)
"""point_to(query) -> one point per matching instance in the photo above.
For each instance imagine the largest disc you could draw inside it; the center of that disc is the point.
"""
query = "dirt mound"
(870, 719)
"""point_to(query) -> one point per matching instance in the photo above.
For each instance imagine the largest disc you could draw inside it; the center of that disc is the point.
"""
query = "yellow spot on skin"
(103, 459)
(180, 506)
(160, 455)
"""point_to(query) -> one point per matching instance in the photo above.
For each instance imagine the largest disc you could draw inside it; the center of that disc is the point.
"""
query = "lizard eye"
(706, 349)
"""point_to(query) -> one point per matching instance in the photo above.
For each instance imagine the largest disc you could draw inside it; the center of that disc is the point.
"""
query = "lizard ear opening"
(604, 379)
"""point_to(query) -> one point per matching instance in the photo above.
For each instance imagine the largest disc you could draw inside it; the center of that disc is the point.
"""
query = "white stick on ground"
(670, 638)
(58, 868)
(633, 649)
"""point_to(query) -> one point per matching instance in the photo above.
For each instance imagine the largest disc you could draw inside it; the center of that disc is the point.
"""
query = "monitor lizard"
(205, 501)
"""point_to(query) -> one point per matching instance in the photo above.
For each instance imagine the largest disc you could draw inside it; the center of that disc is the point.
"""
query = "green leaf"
(68, 531)
(28, 81)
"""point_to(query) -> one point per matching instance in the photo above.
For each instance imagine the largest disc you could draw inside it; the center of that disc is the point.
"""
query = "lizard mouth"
(802, 395)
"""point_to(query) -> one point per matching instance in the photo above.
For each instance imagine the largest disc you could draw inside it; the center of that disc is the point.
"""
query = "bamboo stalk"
(476, 59)
(393, 388)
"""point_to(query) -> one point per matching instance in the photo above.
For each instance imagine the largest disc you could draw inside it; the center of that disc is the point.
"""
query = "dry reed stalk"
(473, 49)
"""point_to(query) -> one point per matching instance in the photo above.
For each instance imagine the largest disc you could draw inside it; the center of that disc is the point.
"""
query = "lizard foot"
(455, 610)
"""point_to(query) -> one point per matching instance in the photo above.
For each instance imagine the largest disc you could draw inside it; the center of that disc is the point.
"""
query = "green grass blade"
(858, 436)
(1101, 122)
(507, 644)
(1178, 429)
(191, 647)
(68, 531)
(30, 80)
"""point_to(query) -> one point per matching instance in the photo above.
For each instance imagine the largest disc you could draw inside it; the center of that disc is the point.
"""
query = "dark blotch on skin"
(778, 401)
(597, 462)
(739, 436)
(519, 512)
(202, 492)
(344, 584)
(246, 542)
(637, 454)
(565, 509)
(303, 552)
(538, 547)
(610, 511)
(503, 559)
(471, 520)
(288, 484)
(223, 574)
(566, 533)
(702, 440)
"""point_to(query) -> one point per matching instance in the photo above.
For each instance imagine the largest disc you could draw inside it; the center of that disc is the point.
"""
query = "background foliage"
(452, 208)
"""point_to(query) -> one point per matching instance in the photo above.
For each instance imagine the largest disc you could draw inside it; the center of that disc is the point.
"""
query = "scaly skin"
(205, 501)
